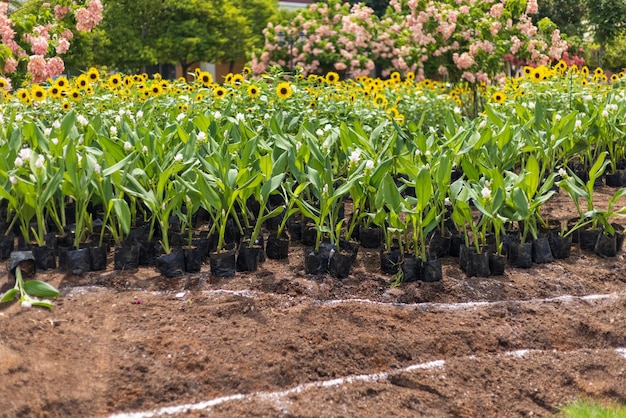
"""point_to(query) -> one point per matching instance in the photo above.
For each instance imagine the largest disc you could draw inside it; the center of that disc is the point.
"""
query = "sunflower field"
(148, 171)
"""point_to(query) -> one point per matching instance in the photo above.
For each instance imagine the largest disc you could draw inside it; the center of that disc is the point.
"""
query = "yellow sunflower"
(199, 97)
(115, 81)
(219, 92)
(205, 78)
(380, 100)
(614, 77)
(585, 71)
(3, 83)
(37, 92)
(66, 105)
(23, 95)
(74, 95)
(155, 89)
(498, 97)
(284, 90)
(236, 80)
(410, 76)
(332, 77)
(253, 91)
(55, 91)
(93, 75)
(62, 82)
(82, 81)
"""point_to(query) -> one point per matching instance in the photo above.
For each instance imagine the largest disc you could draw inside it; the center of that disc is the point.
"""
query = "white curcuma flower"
(217, 114)
(562, 172)
(56, 124)
(19, 117)
(240, 117)
(605, 113)
(369, 165)
(40, 161)
(485, 192)
(482, 124)
(118, 119)
(144, 149)
(557, 116)
(18, 162)
(447, 202)
(24, 154)
(140, 114)
(79, 157)
(26, 304)
(180, 117)
(355, 156)
(328, 127)
(127, 146)
(55, 141)
(178, 158)
(97, 169)
(319, 132)
(47, 131)
(201, 136)
(298, 146)
(457, 110)
(325, 189)
(578, 124)
(113, 130)
(13, 180)
(82, 120)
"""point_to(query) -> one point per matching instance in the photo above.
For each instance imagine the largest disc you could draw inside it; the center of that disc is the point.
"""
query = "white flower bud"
(201, 136)
(140, 114)
(82, 120)
(144, 149)
(26, 304)
(578, 124)
(127, 146)
(217, 114)
(355, 156)
(369, 165)
(113, 130)
(47, 131)
(39, 162)
(18, 162)
(485, 192)
(55, 141)
(97, 169)
(319, 132)
(325, 189)
(562, 172)
(19, 117)
(180, 117)
(240, 117)
(56, 124)
(178, 158)
(24, 154)
(13, 180)
(605, 113)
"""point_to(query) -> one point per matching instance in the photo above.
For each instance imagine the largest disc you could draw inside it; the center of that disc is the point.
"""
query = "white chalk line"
(277, 396)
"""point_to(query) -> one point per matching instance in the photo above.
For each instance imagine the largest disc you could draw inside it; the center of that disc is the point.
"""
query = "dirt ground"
(280, 343)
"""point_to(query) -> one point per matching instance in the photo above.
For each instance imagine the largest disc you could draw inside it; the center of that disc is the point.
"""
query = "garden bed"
(279, 342)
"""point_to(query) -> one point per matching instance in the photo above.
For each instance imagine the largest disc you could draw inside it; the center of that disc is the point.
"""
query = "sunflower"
(23, 95)
(205, 78)
(115, 81)
(128, 81)
(157, 77)
(219, 92)
(395, 76)
(332, 77)
(155, 89)
(246, 70)
(199, 97)
(537, 74)
(55, 91)
(585, 71)
(62, 82)
(82, 81)
(3, 83)
(498, 97)
(380, 100)
(253, 91)
(228, 78)
(37, 92)
(598, 71)
(93, 75)
(584, 82)
(284, 90)
(236, 80)
(561, 66)
(528, 70)
(410, 76)
(74, 95)
(614, 78)
(66, 105)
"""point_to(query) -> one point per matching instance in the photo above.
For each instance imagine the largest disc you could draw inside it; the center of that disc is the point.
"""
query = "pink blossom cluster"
(464, 39)
(50, 36)
(88, 17)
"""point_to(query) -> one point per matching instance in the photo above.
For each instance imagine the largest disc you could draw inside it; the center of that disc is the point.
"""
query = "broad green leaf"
(9, 295)
(40, 289)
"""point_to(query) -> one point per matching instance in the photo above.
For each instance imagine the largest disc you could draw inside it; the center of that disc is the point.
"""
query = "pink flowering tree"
(476, 41)
(337, 37)
(36, 35)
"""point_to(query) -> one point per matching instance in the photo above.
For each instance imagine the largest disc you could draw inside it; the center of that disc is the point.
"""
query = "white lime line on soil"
(469, 305)
(278, 396)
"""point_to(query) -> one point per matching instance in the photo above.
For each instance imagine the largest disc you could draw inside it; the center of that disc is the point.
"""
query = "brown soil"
(277, 342)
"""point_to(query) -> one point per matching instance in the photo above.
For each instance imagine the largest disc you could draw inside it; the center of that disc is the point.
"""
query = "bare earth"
(279, 343)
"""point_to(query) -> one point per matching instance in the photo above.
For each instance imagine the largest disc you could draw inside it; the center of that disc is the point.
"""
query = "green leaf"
(520, 202)
(423, 188)
(9, 295)
(390, 194)
(40, 289)
(122, 212)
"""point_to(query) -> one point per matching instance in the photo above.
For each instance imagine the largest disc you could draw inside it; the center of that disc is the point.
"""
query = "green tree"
(607, 19)
(130, 30)
(568, 15)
